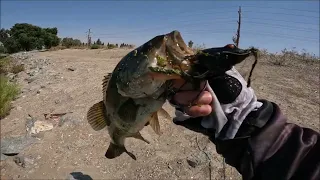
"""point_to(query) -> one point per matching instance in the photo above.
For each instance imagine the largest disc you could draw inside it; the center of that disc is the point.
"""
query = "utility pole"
(239, 25)
(89, 38)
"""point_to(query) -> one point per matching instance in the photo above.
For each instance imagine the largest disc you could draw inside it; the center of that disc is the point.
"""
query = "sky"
(273, 25)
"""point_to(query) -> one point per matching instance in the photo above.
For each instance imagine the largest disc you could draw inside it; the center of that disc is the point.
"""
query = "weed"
(16, 68)
(7, 65)
(8, 92)
(95, 46)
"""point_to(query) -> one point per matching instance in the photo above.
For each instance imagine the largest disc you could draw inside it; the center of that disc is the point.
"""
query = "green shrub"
(95, 46)
(5, 65)
(8, 92)
(70, 42)
(3, 49)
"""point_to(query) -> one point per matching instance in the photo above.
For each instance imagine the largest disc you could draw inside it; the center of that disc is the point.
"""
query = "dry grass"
(288, 57)
(8, 65)
(8, 90)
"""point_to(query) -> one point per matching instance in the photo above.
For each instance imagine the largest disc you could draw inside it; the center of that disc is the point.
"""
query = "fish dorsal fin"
(96, 116)
(105, 82)
(154, 123)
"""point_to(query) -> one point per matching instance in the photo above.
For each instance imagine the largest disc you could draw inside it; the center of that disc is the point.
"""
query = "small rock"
(42, 86)
(78, 176)
(14, 145)
(40, 126)
(30, 123)
(19, 161)
(29, 161)
(192, 163)
(38, 92)
(3, 157)
(197, 159)
(71, 69)
(30, 79)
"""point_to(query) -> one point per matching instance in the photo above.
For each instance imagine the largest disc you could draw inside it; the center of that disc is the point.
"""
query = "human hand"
(195, 103)
(221, 100)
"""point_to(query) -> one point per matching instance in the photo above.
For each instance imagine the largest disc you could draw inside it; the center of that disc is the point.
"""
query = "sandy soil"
(73, 147)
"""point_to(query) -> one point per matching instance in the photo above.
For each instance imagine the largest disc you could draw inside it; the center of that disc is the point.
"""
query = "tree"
(11, 45)
(190, 44)
(4, 35)
(24, 36)
(98, 42)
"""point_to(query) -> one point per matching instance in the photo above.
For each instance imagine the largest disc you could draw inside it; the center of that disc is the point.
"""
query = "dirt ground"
(70, 82)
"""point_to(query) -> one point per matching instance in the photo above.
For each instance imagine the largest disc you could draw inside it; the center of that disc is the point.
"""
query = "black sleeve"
(268, 147)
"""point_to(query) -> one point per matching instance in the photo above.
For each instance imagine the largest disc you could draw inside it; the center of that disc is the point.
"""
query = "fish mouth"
(171, 54)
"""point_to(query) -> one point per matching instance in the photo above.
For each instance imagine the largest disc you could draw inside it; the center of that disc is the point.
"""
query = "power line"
(284, 36)
(201, 24)
(281, 8)
(245, 32)
(281, 20)
(281, 26)
(284, 14)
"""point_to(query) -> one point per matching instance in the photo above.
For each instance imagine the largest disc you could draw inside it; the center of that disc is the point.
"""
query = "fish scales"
(133, 95)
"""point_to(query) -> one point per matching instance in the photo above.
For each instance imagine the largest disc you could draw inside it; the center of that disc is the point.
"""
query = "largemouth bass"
(134, 93)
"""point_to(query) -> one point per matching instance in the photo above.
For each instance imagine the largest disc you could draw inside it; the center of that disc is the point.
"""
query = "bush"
(70, 42)
(3, 49)
(111, 46)
(8, 66)
(9, 92)
(95, 46)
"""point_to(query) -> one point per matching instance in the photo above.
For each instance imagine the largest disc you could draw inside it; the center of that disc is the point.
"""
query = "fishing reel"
(214, 62)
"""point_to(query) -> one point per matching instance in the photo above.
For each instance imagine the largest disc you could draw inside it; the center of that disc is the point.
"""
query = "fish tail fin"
(116, 150)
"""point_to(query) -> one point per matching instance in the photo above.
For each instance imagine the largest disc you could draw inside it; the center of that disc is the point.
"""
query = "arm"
(267, 147)
(253, 135)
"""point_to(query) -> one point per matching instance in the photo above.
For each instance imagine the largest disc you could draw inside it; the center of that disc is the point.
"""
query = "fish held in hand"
(134, 93)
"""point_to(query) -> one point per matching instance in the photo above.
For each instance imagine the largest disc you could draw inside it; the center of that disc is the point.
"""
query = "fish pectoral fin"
(154, 123)
(116, 150)
(163, 113)
(139, 136)
(96, 116)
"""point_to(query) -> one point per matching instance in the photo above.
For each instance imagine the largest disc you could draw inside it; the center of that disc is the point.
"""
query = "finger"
(182, 85)
(185, 98)
(197, 111)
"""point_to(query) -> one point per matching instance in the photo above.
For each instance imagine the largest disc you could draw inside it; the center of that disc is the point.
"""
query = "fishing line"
(255, 53)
